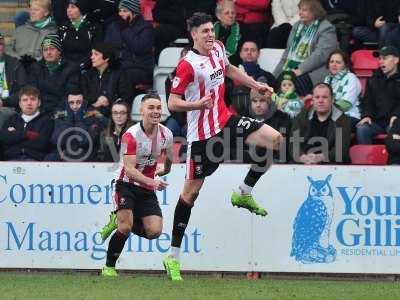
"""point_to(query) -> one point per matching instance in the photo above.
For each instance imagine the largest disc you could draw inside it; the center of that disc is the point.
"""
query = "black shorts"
(142, 202)
(204, 157)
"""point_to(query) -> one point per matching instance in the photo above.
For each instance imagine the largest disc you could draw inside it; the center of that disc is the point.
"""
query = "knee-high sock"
(115, 247)
(181, 219)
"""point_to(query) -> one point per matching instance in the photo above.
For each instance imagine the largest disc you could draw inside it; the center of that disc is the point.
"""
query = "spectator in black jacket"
(98, 10)
(53, 75)
(79, 33)
(12, 78)
(26, 136)
(380, 106)
(321, 135)
(133, 39)
(105, 82)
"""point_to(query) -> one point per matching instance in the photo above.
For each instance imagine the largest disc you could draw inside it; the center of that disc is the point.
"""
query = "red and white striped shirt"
(196, 76)
(147, 150)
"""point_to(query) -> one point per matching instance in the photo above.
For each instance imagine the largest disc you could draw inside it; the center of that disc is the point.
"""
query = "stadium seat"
(180, 42)
(136, 116)
(167, 62)
(368, 155)
(364, 63)
(269, 58)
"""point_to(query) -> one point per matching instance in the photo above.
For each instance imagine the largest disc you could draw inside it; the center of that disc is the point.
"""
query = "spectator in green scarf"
(227, 30)
(28, 38)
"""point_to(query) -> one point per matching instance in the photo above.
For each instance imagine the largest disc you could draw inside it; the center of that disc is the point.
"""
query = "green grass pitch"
(84, 286)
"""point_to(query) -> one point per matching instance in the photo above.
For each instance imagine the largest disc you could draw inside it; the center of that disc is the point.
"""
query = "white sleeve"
(278, 13)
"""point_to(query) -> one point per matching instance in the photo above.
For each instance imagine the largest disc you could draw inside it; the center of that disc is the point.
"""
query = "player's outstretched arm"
(238, 75)
(176, 103)
(136, 175)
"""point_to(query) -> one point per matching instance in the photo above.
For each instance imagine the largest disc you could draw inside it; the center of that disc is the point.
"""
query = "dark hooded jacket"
(54, 87)
(382, 98)
(76, 134)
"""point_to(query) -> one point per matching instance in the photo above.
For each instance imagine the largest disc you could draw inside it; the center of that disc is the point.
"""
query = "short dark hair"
(29, 90)
(75, 91)
(250, 41)
(151, 96)
(323, 84)
(343, 54)
(197, 20)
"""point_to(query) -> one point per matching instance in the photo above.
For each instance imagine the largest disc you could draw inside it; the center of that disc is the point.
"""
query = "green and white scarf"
(78, 23)
(339, 84)
(233, 39)
(300, 47)
(42, 23)
(4, 92)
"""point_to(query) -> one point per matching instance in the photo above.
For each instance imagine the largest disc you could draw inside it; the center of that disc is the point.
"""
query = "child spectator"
(287, 99)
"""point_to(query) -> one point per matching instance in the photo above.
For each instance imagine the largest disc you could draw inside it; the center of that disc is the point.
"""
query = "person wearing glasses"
(105, 82)
(110, 138)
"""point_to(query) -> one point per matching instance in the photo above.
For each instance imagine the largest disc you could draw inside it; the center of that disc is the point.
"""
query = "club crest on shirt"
(176, 82)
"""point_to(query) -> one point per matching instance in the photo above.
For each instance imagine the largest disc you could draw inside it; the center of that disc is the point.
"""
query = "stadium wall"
(331, 219)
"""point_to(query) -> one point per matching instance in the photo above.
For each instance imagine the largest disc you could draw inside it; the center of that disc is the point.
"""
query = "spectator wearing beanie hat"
(79, 33)
(53, 75)
(132, 5)
(105, 82)
(133, 39)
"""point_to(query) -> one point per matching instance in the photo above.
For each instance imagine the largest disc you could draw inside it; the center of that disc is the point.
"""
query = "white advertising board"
(331, 219)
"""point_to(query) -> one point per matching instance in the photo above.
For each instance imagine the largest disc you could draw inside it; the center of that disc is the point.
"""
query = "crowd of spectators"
(73, 68)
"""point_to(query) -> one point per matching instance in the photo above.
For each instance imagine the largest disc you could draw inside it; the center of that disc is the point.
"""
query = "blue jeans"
(366, 132)
(354, 122)
(20, 18)
(176, 129)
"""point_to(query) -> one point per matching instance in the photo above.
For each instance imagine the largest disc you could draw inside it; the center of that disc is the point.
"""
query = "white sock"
(244, 189)
(175, 252)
